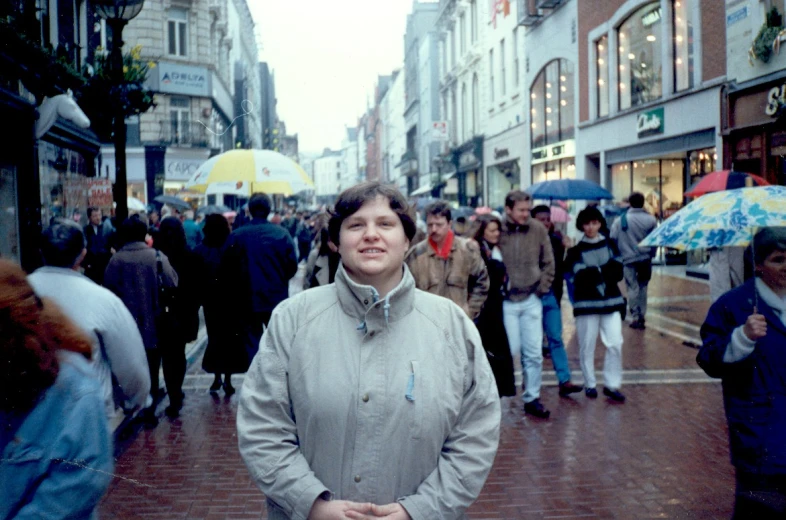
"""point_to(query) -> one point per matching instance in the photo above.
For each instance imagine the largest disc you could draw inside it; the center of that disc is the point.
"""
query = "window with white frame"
(180, 118)
(473, 20)
(639, 57)
(502, 76)
(453, 47)
(602, 70)
(491, 74)
(177, 32)
(475, 104)
(516, 71)
(463, 34)
(683, 45)
(464, 113)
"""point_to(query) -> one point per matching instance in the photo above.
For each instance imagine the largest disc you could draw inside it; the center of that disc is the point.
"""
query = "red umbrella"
(725, 180)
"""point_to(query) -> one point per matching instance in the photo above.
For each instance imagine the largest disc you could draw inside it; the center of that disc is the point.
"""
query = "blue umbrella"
(569, 189)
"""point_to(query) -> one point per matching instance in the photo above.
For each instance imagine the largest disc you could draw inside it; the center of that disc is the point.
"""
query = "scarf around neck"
(444, 251)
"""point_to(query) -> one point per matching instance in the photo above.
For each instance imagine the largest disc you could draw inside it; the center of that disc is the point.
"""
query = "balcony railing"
(178, 133)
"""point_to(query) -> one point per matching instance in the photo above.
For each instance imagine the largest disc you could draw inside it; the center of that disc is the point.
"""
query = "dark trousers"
(760, 497)
(255, 327)
(173, 357)
(304, 248)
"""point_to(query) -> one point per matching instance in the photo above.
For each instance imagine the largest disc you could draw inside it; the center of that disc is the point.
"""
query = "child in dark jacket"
(593, 270)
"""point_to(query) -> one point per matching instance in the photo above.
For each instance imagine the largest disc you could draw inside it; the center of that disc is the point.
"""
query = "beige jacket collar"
(363, 302)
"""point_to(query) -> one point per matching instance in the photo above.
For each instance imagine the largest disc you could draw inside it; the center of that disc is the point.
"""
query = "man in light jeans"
(529, 259)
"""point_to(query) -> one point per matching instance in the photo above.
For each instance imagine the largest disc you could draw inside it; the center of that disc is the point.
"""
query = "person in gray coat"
(118, 350)
(368, 397)
(628, 230)
(132, 274)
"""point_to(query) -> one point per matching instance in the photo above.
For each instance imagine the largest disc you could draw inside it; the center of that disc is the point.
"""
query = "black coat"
(492, 328)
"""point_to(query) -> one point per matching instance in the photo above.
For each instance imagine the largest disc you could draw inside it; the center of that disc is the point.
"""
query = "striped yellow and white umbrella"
(265, 171)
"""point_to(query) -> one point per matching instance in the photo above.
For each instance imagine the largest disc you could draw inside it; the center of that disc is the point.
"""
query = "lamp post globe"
(117, 14)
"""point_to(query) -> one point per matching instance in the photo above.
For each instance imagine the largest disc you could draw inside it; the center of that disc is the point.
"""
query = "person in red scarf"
(448, 265)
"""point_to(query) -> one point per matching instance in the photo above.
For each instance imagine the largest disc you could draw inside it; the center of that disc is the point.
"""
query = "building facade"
(349, 156)
(651, 75)
(754, 103)
(393, 137)
(328, 170)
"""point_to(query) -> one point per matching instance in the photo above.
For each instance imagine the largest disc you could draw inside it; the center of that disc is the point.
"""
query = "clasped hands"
(345, 509)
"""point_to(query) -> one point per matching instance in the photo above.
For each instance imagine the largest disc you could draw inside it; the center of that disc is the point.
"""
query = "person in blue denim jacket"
(55, 448)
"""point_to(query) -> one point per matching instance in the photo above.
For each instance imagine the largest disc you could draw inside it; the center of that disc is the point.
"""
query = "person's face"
(491, 233)
(544, 217)
(76, 217)
(519, 213)
(438, 228)
(372, 243)
(773, 270)
(591, 229)
(95, 217)
(154, 217)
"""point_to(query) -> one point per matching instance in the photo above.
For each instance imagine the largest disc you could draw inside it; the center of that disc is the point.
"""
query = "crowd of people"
(364, 396)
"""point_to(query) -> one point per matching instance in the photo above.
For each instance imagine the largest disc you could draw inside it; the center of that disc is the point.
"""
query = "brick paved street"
(663, 454)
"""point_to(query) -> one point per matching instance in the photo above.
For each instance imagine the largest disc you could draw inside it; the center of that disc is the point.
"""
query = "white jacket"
(369, 400)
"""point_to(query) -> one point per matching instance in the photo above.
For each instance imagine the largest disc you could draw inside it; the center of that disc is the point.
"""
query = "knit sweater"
(593, 269)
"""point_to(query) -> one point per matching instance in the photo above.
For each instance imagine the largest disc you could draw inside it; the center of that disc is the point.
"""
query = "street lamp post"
(117, 14)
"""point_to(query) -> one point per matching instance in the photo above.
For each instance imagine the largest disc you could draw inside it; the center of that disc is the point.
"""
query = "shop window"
(9, 213)
(683, 45)
(64, 185)
(639, 57)
(700, 163)
(177, 32)
(554, 170)
(602, 67)
(552, 104)
(620, 181)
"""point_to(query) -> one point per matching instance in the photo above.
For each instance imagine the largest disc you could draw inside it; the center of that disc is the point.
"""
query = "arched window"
(475, 104)
(639, 57)
(552, 104)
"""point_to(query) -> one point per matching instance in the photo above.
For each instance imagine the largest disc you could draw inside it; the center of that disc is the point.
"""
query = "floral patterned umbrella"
(721, 219)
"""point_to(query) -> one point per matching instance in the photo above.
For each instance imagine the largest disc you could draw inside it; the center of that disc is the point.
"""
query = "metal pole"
(119, 138)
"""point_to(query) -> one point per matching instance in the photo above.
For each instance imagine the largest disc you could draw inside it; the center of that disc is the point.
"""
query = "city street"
(662, 454)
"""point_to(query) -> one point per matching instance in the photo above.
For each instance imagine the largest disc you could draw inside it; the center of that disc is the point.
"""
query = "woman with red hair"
(55, 448)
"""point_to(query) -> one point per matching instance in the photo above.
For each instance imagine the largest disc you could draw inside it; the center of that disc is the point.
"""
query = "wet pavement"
(662, 454)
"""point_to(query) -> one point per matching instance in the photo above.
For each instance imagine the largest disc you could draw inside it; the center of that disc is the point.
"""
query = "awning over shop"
(423, 190)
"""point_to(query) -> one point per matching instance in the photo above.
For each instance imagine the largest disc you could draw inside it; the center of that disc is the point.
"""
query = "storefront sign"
(651, 18)
(468, 161)
(650, 122)
(736, 16)
(439, 131)
(555, 151)
(501, 153)
(181, 169)
(99, 193)
(776, 100)
(174, 78)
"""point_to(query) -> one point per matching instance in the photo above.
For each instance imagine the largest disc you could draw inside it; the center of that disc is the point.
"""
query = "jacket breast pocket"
(458, 281)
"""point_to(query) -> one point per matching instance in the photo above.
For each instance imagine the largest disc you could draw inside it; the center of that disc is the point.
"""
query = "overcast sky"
(326, 56)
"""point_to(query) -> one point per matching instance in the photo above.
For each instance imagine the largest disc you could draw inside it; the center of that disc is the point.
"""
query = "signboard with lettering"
(180, 168)
(776, 100)
(650, 122)
(99, 193)
(174, 78)
(439, 131)
(561, 150)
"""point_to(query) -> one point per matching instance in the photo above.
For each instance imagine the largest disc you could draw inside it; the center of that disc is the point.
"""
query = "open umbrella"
(724, 180)
(721, 219)
(267, 172)
(171, 200)
(134, 204)
(569, 189)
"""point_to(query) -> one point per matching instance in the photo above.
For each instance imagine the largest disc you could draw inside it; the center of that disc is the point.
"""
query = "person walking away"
(628, 230)
(55, 446)
(529, 259)
(742, 344)
(99, 244)
(552, 311)
(183, 323)
(490, 323)
(133, 275)
(257, 265)
(304, 238)
(323, 261)
(448, 265)
(222, 356)
(594, 270)
(726, 270)
(369, 398)
(194, 234)
(117, 349)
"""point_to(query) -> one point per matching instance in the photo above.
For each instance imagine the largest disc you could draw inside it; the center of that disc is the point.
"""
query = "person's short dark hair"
(537, 210)
(216, 230)
(92, 209)
(636, 200)
(439, 208)
(259, 205)
(62, 243)
(515, 196)
(352, 199)
(587, 215)
(133, 229)
(767, 241)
